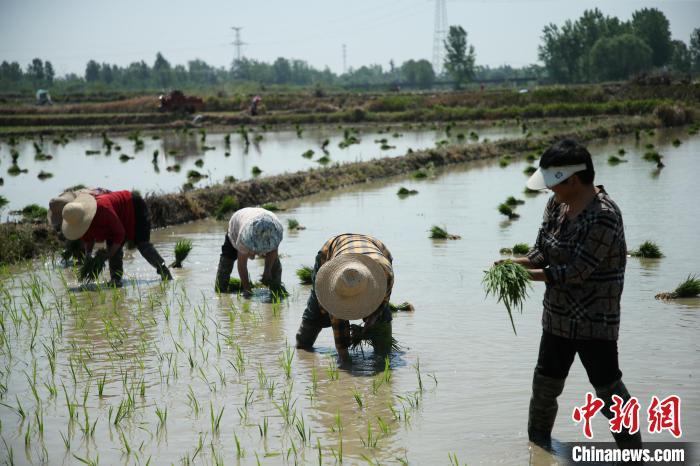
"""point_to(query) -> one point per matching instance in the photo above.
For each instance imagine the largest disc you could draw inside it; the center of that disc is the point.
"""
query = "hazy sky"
(70, 32)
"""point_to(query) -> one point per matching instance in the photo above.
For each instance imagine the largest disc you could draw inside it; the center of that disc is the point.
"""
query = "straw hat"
(350, 286)
(261, 234)
(77, 216)
(56, 205)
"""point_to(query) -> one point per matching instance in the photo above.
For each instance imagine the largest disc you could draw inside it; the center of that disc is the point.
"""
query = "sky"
(70, 32)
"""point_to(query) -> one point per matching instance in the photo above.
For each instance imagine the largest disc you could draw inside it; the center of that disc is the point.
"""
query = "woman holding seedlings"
(352, 279)
(114, 218)
(580, 254)
(251, 231)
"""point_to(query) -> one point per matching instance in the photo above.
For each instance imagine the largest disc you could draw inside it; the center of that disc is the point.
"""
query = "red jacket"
(114, 219)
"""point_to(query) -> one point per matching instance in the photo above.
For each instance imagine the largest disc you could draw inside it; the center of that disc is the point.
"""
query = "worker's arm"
(242, 261)
(341, 335)
(270, 259)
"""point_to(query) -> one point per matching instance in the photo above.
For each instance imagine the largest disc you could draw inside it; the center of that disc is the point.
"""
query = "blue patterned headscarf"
(262, 234)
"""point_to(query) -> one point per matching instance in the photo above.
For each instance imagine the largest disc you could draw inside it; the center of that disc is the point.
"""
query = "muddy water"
(275, 153)
(186, 344)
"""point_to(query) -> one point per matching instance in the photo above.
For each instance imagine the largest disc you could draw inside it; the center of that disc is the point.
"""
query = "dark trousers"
(599, 358)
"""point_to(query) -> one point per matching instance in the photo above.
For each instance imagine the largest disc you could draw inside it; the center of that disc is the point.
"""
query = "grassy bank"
(20, 241)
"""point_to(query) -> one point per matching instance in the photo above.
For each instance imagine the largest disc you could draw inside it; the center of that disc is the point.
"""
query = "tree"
(35, 71)
(162, 70)
(282, 71)
(459, 59)
(92, 71)
(49, 73)
(620, 57)
(694, 49)
(561, 52)
(11, 72)
(588, 29)
(651, 25)
(680, 57)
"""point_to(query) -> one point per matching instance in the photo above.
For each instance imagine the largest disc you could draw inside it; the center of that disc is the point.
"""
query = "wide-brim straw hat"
(350, 286)
(56, 205)
(262, 234)
(77, 216)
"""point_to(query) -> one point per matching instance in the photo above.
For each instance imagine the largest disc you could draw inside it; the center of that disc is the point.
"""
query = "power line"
(439, 34)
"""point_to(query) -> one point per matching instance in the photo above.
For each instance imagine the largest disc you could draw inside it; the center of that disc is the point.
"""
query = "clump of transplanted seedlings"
(182, 250)
(647, 250)
(689, 288)
(615, 160)
(304, 273)
(402, 307)
(653, 156)
(509, 283)
(404, 192)
(676, 142)
(512, 201)
(529, 170)
(44, 175)
(308, 154)
(324, 160)
(293, 224)
(437, 232)
(255, 171)
(193, 176)
(505, 209)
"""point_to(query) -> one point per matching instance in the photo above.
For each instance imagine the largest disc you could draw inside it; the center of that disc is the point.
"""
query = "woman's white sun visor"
(545, 178)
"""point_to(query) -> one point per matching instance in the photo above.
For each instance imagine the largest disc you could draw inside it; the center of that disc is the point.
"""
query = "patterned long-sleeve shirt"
(350, 243)
(584, 260)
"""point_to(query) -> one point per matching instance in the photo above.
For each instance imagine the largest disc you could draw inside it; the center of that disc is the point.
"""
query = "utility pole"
(238, 42)
(345, 59)
(439, 35)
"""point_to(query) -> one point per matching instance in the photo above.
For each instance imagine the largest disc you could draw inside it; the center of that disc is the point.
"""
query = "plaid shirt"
(584, 260)
(350, 243)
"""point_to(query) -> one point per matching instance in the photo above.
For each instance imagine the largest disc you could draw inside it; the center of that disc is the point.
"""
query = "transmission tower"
(238, 42)
(345, 58)
(439, 35)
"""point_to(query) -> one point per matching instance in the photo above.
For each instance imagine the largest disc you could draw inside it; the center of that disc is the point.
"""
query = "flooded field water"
(461, 384)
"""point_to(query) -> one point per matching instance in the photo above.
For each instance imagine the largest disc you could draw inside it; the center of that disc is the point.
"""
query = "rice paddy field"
(173, 373)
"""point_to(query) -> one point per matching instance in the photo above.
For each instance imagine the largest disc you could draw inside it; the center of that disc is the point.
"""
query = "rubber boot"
(623, 439)
(543, 409)
(307, 334)
(223, 274)
(116, 269)
(148, 251)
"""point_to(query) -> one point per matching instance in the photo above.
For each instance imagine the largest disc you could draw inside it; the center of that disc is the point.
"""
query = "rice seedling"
(193, 176)
(293, 224)
(285, 360)
(505, 209)
(521, 249)
(324, 145)
(653, 156)
(14, 170)
(529, 170)
(304, 273)
(387, 147)
(614, 160)
(255, 171)
(512, 201)
(299, 130)
(473, 136)
(125, 158)
(676, 142)
(173, 168)
(404, 192)
(308, 154)
(324, 160)
(504, 161)
(357, 396)
(647, 250)
(403, 307)
(199, 163)
(689, 288)
(437, 232)
(92, 152)
(227, 205)
(531, 157)
(272, 207)
(91, 268)
(44, 175)
(332, 369)
(508, 282)
(182, 249)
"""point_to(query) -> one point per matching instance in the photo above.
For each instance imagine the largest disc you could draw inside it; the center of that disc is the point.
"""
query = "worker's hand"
(102, 254)
(344, 359)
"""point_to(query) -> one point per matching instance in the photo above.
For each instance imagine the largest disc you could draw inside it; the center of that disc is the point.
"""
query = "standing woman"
(252, 231)
(113, 218)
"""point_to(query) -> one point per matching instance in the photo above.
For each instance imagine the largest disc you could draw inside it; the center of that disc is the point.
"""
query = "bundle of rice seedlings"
(194, 176)
(614, 160)
(230, 179)
(509, 282)
(258, 137)
(504, 161)
(387, 147)
(92, 152)
(227, 206)
(506, 251)
(531, 192)
(676, 142)
(173, 168)
(304, 274)
(308, 154)
(255, 171)
(440, 233)
(529, 170)
(272, 207)
(507, 210)
(690, 288)
(649, 146)
(512, 201)
(521, 248)
(182, 249)
(621, 152)
(73, 249)
(125, 158)
(654, 156)
(378, 336)
(404, 307)
(44, 175)
(91, 268)
(292, 224)
(403, 192)
(531, 157)
(199, 163)
(324, 160)
(234, 285)
(648, 250)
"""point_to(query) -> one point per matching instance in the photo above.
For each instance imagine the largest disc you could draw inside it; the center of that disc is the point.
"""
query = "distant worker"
(352, 279)
(114, 218)
(252, 231)
(254, 105)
